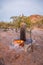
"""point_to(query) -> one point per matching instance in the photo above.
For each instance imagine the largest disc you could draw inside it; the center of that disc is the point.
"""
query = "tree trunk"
(23, 33)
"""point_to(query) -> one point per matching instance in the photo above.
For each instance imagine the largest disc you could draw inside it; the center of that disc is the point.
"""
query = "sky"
(10, 8)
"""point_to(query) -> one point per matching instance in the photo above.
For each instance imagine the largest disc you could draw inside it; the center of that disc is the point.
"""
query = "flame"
(20, 42)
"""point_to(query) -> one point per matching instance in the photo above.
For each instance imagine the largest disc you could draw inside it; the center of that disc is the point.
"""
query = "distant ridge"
(35, 18)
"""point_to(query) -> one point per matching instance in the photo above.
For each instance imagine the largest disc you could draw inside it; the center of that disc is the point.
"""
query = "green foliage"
(28, 22)
(17, 20)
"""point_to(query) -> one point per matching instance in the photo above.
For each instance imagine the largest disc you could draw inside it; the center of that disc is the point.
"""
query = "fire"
(19, 42)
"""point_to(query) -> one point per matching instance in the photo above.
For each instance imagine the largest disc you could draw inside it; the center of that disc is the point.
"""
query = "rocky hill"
(35, 18)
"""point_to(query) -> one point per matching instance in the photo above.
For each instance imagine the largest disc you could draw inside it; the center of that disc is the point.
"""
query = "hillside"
(35, 18)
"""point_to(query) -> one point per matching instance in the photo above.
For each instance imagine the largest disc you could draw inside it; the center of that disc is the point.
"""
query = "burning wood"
(18, 42)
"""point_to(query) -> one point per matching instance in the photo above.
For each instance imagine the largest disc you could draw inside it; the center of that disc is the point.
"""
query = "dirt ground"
(11, 57)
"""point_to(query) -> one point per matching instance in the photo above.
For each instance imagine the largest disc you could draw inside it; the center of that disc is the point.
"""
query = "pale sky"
(10, 8)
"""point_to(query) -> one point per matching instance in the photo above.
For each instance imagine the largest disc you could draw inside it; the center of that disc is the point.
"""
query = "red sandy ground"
(11, 57)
